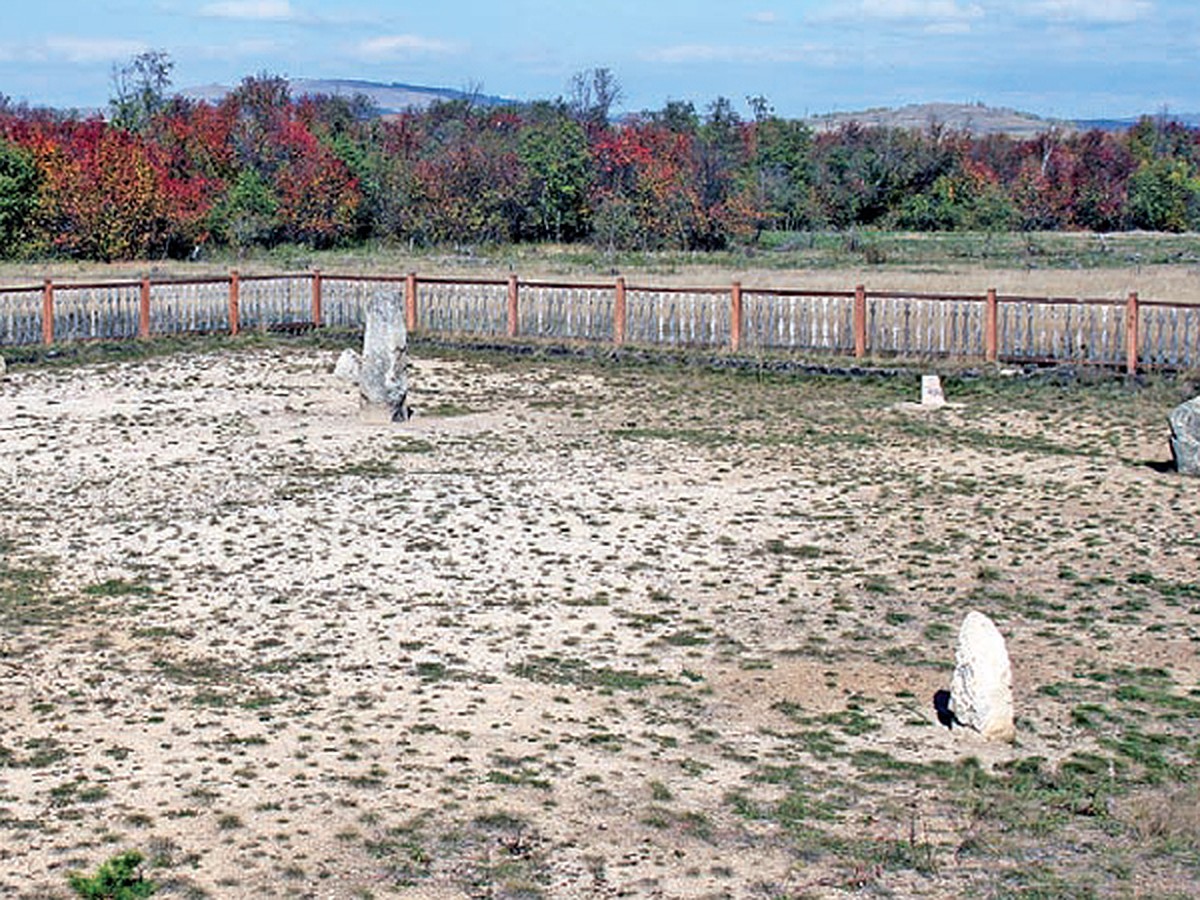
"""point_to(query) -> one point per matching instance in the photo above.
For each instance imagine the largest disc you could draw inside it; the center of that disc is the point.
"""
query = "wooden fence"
(1128, 334)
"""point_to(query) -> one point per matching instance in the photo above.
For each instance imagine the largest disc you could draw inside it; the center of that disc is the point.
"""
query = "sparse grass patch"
(118, 587)
(578, 672)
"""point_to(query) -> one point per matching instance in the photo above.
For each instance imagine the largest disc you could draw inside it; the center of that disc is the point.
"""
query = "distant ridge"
(1189, 120)
(973, 118)
(387, 98)
(979, 120)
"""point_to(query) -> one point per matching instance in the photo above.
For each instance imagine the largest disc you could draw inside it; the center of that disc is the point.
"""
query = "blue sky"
(1068, 58)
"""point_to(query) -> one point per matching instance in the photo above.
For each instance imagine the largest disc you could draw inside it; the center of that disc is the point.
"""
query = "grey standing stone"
(3, 367)
(981, 690)
(383, 371)
(1185, 436)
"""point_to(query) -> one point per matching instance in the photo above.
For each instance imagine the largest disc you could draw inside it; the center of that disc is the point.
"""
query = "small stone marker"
(981, 690)
(931, 391)
(1185, 436)
(381, 371)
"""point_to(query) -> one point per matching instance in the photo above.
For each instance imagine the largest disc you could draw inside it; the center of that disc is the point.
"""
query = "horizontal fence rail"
(1128, 334)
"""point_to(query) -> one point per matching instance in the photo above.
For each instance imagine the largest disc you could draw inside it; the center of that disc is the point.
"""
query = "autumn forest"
(163, 176)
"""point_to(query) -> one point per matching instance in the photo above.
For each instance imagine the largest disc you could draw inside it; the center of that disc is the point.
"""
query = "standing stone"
(1185, 436)
(383, 369)
(3, 367)
(981, 690)
(931, 391)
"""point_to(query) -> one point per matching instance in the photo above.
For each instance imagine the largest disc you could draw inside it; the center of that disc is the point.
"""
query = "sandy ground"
(549, 638)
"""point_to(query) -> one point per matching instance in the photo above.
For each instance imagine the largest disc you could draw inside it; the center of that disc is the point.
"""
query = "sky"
(1059, 58)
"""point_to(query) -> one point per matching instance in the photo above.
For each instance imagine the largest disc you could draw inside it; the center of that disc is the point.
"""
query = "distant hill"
(387, 98)
(973, 118)
(978, 119)
(1191, 120)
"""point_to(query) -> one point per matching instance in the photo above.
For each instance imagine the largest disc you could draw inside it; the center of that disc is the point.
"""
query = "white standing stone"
(981, 691)
(383, 372)
(1185, 436)
(931, 391)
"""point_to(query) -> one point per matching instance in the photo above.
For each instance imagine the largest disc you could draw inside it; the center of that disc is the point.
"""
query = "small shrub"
(119, 878)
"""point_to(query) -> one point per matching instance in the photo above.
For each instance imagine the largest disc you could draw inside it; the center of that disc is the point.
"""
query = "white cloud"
(684, 54)
(405, 45)
(256, 48)
(916, 11)
(948, 28)
(264, 10)
(764, 17)
(85, 50)
(919, 9)
(1092, 10)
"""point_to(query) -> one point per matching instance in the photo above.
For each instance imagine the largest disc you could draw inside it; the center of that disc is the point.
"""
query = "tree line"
(163, 176)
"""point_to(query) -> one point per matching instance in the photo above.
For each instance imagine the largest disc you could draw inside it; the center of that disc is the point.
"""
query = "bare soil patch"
(588, 630)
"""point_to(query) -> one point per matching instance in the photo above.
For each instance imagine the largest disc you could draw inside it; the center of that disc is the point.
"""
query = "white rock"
(931, 391)
(1185, 436)
(348, 366)
(981, 691)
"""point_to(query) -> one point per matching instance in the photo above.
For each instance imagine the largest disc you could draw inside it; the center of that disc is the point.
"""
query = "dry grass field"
(588, 629)
(1158, 266)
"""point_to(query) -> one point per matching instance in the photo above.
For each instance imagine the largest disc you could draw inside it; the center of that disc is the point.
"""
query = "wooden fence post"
(860, 322)
(317, 316)
(619, 314)
(514, 325)
(48, 312)
(735, 317)
(991, 327)
(1132, 338)
(234, 303)
(144, 309)
(410, 301)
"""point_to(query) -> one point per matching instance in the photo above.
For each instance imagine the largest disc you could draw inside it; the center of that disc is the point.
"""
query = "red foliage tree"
(645, 193)
(110, 194)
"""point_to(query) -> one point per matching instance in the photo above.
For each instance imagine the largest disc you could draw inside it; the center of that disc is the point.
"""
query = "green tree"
(679, 116)
(1163, 196)
(247, 213)
(388, 179)
(782, 171)
(593, 94)
(19, 181)
(557, 164)
(140, 90)
(863, 174)
(962, 200)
